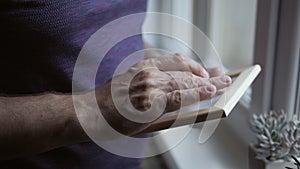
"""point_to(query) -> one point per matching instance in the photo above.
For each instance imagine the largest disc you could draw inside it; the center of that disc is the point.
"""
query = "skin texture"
(156, 86)
(35, 124)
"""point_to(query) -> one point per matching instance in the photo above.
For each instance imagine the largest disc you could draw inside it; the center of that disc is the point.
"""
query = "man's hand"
(133, 99)
(129, 102)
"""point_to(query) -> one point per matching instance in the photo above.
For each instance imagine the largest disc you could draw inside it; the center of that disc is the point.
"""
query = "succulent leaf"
(269, 128)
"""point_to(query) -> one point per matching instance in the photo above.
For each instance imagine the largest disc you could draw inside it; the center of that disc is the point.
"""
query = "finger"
(220, 91)
(176, 62)
(215, 71)
(221, 81)
(179, 98)
(186, 80)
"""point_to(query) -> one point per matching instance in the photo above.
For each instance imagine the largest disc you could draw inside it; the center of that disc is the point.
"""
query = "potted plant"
(277, 141)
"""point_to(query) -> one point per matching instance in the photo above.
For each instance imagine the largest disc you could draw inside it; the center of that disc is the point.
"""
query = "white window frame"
(279, 56)
(276, 49)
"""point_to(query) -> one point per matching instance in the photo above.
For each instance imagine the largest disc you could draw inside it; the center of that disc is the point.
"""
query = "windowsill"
(226, 149)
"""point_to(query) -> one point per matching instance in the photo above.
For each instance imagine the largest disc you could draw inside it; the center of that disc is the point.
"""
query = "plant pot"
(255, 163)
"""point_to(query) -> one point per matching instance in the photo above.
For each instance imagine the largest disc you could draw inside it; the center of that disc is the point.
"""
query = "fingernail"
(226, 79)
(209, 89)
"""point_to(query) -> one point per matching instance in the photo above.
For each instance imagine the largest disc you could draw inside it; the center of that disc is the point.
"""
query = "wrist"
(71, 130)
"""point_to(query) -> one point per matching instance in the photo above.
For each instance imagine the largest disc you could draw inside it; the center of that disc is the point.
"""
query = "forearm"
(35, 124)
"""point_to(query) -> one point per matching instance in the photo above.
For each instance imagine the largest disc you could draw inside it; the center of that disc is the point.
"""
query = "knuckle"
(176, 97)
(141, 102)
(143, 81)
(145, 73)
(146, 63)
(140, 64)
(173, 100)
(151, 62)
(179, 57)
(144, 105)
(142, 75)
(138, 87)
(142, 86)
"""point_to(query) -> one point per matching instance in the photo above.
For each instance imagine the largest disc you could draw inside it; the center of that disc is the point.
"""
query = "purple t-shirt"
(40, 42)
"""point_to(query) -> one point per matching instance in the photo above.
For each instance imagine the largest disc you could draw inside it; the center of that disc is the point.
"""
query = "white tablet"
(216, 107)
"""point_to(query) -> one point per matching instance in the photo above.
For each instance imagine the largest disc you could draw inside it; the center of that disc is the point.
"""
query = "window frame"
(277, 50)
(273, 39)
(297, 106)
